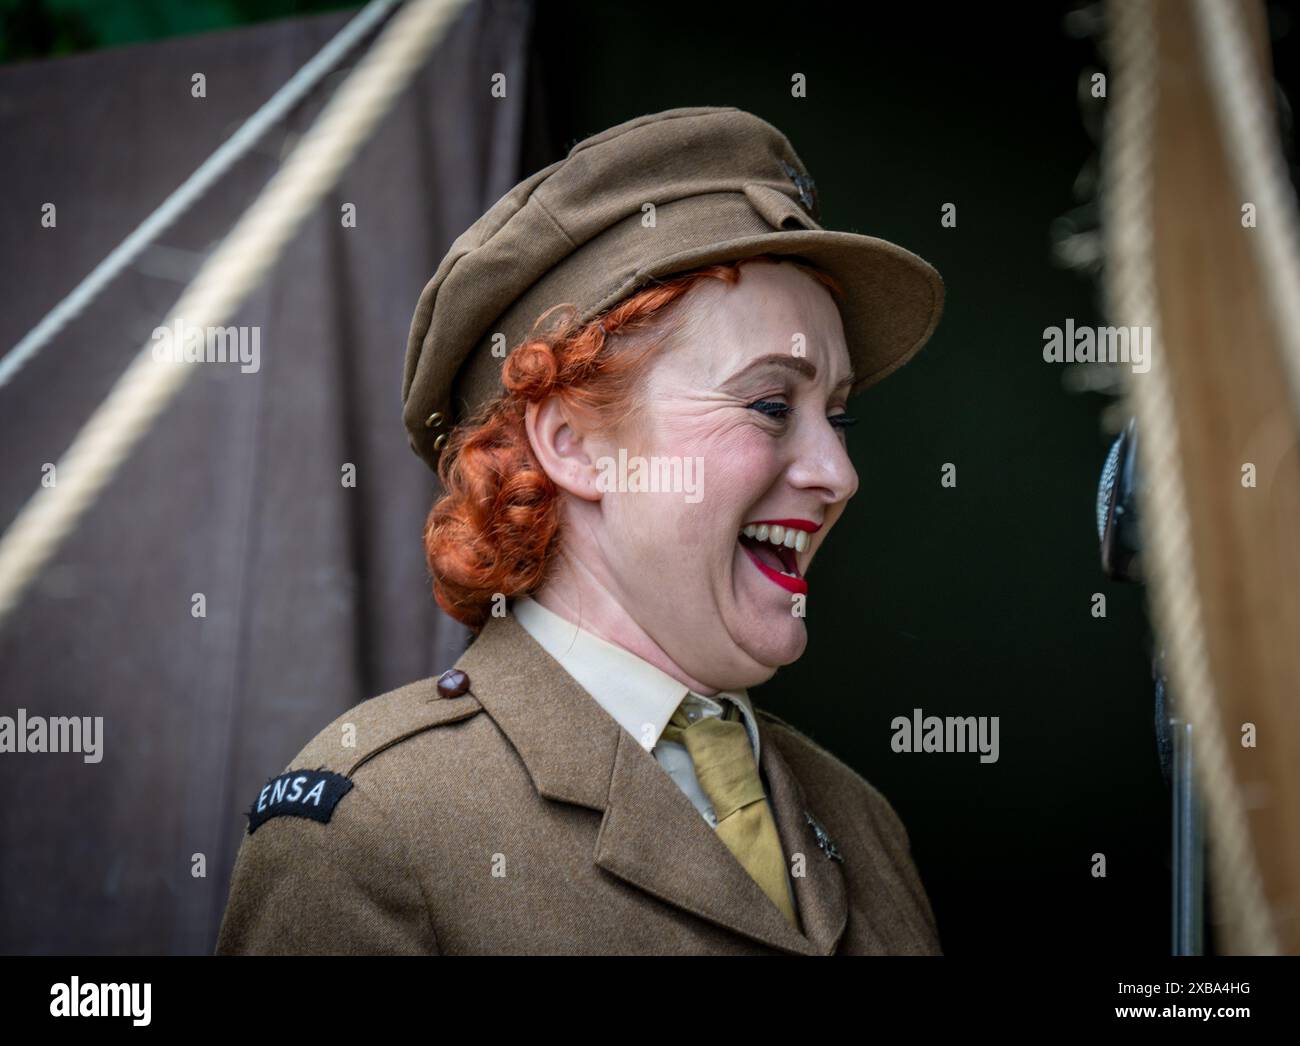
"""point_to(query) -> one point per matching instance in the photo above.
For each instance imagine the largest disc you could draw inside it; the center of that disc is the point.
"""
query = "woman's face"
(745, 401)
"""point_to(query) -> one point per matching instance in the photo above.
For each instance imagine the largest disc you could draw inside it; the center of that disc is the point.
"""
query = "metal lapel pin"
(824, 841)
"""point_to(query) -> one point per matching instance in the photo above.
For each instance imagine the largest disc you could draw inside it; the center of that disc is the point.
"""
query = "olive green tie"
(720, 748)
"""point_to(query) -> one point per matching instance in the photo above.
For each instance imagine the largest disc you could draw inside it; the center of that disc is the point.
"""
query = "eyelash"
(839, 421)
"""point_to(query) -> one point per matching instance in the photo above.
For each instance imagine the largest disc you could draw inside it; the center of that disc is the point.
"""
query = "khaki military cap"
(724, 185)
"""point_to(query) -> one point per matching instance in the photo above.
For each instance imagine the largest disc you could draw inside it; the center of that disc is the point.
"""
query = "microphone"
(1117, 509)
(1120, 536)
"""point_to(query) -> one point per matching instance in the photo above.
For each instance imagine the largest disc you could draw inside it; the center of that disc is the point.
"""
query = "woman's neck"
(574, 593)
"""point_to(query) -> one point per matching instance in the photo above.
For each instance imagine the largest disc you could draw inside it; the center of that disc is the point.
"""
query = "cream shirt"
(638, 696)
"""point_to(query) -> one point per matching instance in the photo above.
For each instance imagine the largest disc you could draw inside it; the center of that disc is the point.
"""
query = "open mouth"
(774, 549)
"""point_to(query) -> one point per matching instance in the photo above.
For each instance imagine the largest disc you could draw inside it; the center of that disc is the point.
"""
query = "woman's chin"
(768, 629)
(772, 652)
(771, 615)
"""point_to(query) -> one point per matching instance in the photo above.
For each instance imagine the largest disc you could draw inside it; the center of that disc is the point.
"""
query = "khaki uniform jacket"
(519, 818)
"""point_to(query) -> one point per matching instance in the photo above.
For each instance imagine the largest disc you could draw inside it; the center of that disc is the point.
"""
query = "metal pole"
(1188, 877)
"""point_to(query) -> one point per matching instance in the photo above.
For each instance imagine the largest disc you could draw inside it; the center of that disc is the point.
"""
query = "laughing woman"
(632, 500)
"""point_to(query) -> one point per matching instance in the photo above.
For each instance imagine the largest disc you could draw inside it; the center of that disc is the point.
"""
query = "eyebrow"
(797, 364)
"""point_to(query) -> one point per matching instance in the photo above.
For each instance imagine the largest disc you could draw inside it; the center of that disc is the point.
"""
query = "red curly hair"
(495, 530)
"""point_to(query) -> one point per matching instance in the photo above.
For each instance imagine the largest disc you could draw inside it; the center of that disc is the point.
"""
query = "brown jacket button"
(452, 683)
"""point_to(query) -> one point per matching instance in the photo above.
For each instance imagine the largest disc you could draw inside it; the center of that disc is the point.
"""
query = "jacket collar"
(640, 697)
(651, 835)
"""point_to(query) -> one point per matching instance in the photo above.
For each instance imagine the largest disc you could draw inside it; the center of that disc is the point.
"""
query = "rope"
(1176, 607)
(216, 165)
(1247, 123)
(242, 259)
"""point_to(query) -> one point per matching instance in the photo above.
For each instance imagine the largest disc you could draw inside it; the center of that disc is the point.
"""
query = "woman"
(632, 499)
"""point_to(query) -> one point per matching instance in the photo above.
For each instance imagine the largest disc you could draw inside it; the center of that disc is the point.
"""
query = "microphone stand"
(1188, 849)
(1118, 532)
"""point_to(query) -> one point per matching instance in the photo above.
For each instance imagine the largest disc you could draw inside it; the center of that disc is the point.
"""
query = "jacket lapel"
(820, 892)
(651, 836)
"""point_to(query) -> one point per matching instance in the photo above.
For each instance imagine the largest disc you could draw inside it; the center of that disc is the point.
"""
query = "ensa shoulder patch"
(299, 793)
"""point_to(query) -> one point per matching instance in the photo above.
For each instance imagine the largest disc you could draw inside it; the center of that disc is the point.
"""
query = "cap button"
(433, 420)
(452, 683)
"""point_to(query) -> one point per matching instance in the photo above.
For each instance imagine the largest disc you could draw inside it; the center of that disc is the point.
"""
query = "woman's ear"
(562, 451)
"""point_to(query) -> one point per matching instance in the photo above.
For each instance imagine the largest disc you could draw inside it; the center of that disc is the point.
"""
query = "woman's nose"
(822, 461)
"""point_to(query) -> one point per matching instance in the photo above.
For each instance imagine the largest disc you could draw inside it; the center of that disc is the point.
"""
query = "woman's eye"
(781, 411)
(772, 408)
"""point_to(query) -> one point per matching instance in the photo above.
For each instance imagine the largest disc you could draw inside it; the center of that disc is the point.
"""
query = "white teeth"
(787, 537)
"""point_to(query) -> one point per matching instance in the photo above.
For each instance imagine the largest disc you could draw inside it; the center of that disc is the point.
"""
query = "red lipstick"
(790, 524)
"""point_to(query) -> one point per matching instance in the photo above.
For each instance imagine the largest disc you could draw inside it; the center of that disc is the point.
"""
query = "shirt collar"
(638, 696)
